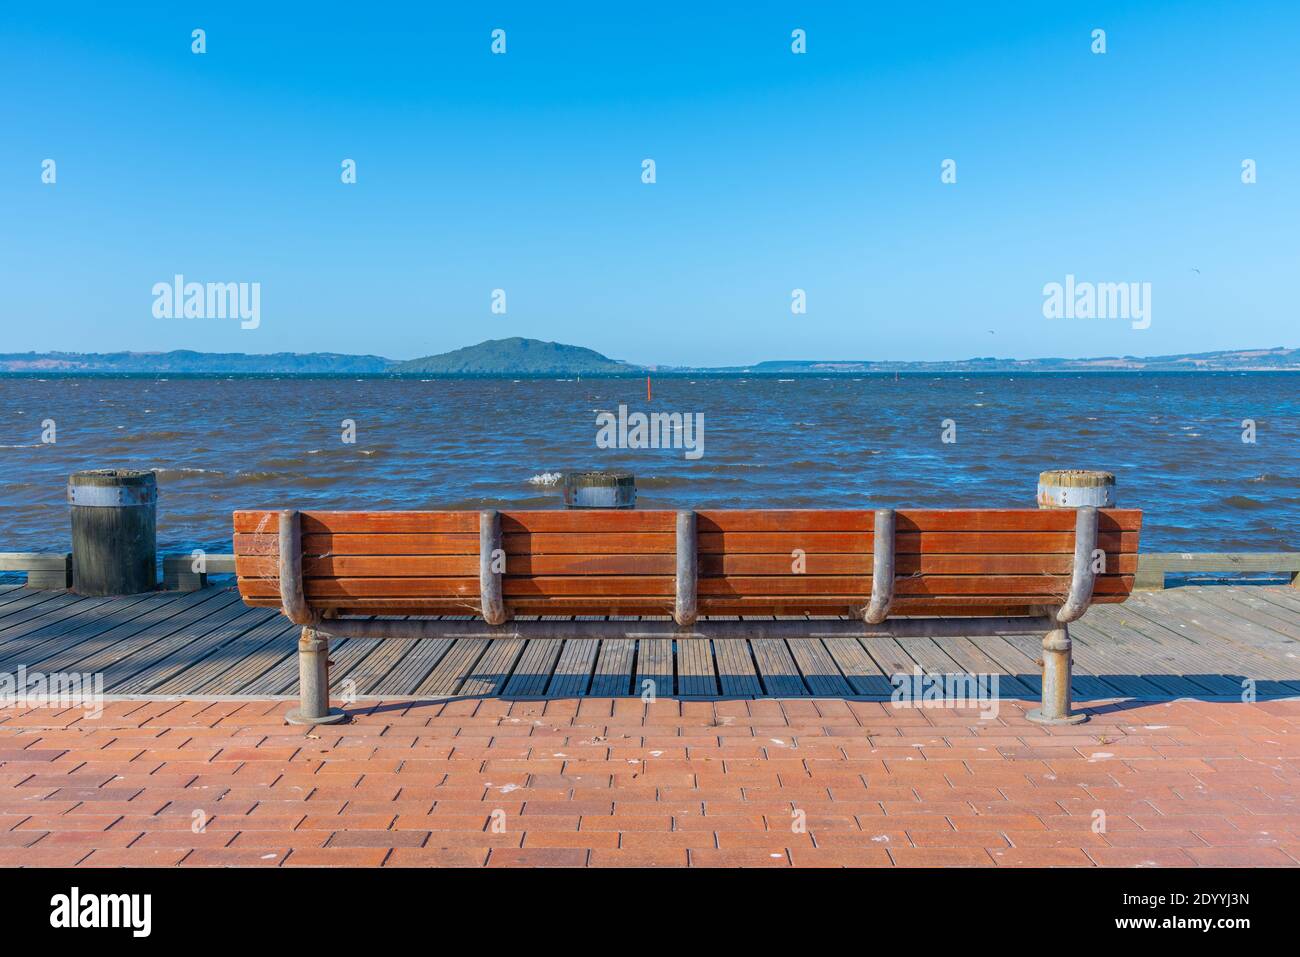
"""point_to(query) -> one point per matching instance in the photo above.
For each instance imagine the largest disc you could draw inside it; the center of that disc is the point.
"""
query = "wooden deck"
(1197, 641)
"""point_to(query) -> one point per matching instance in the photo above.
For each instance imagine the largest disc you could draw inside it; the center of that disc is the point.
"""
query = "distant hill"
(184, 361)
(516, 356)
(524, 357)
(1238, 359)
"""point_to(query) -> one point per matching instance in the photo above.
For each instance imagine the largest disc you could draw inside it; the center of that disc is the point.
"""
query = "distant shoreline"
(533, 358)
(647, 373)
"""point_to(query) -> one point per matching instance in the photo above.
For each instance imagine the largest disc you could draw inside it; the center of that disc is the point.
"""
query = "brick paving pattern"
(608, 782)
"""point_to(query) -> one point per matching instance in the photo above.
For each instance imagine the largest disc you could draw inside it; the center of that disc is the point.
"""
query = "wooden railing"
(179, 573)
(1153, 565)
(44, 570)
(53, 570)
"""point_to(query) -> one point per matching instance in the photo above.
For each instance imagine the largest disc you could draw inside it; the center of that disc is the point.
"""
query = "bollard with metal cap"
(599, 490)
(314, 682)
(1085, 492)
(114, 531)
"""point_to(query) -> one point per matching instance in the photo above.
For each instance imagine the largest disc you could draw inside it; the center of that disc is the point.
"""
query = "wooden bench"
(911, 572)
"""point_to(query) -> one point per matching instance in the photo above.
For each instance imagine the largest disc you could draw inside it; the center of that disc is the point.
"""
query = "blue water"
(1174, 441)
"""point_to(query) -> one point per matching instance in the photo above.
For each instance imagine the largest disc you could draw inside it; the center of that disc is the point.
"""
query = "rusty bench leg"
(314, 682)
(1056, 707)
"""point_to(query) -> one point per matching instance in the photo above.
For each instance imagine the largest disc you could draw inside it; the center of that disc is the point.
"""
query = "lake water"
(1174, 442)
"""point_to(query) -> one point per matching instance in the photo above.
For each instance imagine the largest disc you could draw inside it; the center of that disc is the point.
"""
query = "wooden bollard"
(1075, 488)
(114, 531)
(599, 490)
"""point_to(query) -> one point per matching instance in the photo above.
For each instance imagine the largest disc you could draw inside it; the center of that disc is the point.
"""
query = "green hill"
(515, 356)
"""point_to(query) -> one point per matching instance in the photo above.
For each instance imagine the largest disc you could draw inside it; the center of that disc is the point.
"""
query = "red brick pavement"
(615, 782)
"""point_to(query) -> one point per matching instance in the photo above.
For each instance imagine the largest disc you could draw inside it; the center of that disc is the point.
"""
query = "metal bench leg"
(314, 682)
(1056, 681)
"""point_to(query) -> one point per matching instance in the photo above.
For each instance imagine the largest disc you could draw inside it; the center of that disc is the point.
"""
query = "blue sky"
(775, 171)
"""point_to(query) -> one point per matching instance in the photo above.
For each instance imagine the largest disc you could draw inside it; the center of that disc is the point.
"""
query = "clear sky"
(775, 171)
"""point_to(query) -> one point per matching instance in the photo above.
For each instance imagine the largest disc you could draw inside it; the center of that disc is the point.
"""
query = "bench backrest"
(750, 562)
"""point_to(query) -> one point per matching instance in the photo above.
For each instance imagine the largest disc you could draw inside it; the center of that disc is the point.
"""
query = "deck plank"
(695, 673)
(1193, 641)
(614, 664)
(818, 668)
(414, 667)
(573, 669)
(455, 666)
(777, 668)
(489, 675)
(654, 664)
(863, 675)
(737, 674)
(35, 648)
(168, 614)
(536, 664)
(274, 633)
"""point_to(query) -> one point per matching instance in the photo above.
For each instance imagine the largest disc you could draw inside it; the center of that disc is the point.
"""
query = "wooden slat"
(55, 655)
(856, 666)
(273, 635)
(490, 673)
(319, 589)
(588, 521)
(454, 667)
(316, 544)
(50, 620)
(415, 666)
(362, 566)
(861, 520)
(613, 675)
(573, 669)
(780, 674)
(970, 659)
(157, 648)
(921, 585)
(604, 521)
(35, 651)
(818, 668)
(985, 605)
(121, 644)
(714, 565)
(533, 673)
(369, 522)
(711, 566)
(32, 617)
(370, 670)
(323, 589)
(654, 663)
(907, 543)
(179, 652)
(695, 675)
(736, 672)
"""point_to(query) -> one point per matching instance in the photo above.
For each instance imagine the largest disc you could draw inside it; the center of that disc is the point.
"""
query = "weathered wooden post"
(1075, 488)
(599, 490)
(1085, 492)
(114, 531)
